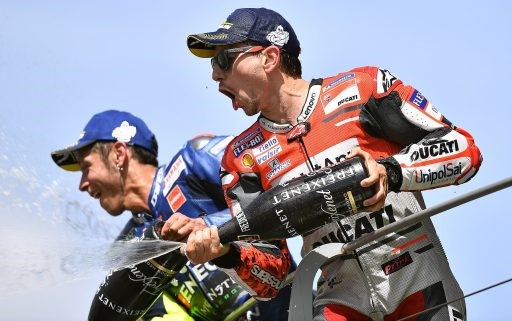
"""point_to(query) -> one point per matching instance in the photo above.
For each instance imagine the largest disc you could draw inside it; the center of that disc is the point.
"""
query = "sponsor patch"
(418, 99)
(266, 277)
(269, 154)
(176, 198)
(435, 148)
(252, 142)
(247, 160)
(338, 81)
(348, 95)
(311, 102)
(397, 263)
(174, 172)
(438, 174)
(270, 143)
(276, 167)
(248, 136)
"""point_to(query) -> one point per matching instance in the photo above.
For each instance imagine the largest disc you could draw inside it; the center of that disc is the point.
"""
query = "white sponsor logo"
(172, 175)
(348, 95)
(279, 37)
(271, 142)
(311, 101)
(125, 132)
(268, 155)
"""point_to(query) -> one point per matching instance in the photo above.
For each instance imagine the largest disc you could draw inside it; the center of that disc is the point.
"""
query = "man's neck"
(286, 105)
(138, 186)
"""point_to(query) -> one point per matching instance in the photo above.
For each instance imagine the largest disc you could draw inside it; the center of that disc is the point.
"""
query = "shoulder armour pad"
(200, 141)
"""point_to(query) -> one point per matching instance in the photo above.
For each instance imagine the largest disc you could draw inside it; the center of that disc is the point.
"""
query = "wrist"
(230, 257)
(393, 172)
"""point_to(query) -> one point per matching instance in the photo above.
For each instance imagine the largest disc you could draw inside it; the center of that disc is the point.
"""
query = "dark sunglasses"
(224, 61)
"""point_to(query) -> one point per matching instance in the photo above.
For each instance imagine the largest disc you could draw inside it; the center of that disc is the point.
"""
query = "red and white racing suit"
(400, 274)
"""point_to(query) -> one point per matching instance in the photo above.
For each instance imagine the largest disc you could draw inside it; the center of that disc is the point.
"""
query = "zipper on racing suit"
(308, 159)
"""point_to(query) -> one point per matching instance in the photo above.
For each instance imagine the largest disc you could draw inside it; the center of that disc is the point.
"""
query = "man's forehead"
(81, 153)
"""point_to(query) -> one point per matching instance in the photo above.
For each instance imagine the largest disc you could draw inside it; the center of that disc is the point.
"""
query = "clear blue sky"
(63, 61)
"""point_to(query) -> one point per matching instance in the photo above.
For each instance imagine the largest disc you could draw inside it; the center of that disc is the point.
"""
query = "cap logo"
(226, 25)
(125, 132)
(279, 37)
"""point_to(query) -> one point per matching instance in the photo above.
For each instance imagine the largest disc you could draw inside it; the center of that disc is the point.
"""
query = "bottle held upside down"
(125, 295)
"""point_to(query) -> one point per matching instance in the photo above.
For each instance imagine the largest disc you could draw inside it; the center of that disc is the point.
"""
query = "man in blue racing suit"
(117, 155)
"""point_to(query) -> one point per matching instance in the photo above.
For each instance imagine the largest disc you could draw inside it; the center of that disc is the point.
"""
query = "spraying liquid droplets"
(123, 254)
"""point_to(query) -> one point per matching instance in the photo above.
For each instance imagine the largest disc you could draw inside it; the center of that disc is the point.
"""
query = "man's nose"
(217, 73)
(84, 184)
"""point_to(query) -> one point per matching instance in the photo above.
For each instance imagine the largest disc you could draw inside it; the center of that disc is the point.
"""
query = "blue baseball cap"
(260, 25)
(108, 126)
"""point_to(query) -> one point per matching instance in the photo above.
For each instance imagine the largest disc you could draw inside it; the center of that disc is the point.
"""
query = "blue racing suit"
(190, 184)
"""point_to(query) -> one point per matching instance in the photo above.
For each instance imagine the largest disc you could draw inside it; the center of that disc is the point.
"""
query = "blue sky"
(63, 61)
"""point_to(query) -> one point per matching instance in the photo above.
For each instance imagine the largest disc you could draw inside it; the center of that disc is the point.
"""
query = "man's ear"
(120, 153)
(271, 57)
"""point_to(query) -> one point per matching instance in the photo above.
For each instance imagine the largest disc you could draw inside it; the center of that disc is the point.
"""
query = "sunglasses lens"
(222, 60)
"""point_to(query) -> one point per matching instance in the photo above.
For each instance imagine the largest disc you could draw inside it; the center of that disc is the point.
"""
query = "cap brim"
(203, 45)
(66, 159)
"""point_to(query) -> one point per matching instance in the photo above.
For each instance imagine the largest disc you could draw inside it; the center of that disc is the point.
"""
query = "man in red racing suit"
(366, 111)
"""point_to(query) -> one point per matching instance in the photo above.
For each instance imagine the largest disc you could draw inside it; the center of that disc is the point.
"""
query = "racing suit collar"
(307, 110)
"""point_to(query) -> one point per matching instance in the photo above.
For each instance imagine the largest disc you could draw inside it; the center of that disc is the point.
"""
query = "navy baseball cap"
(260, 25)
(108, 126)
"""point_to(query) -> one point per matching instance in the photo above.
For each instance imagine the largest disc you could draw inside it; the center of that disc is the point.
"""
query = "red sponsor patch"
(175, 198)
(397, 263)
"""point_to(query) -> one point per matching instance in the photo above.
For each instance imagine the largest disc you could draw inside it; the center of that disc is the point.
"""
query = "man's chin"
(112, 211)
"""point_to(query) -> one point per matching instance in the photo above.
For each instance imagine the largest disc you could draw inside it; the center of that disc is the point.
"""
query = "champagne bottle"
(125, 295)
(302, 204)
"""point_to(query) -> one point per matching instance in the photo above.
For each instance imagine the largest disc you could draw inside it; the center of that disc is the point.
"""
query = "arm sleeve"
(434, 152)
(260, 267)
